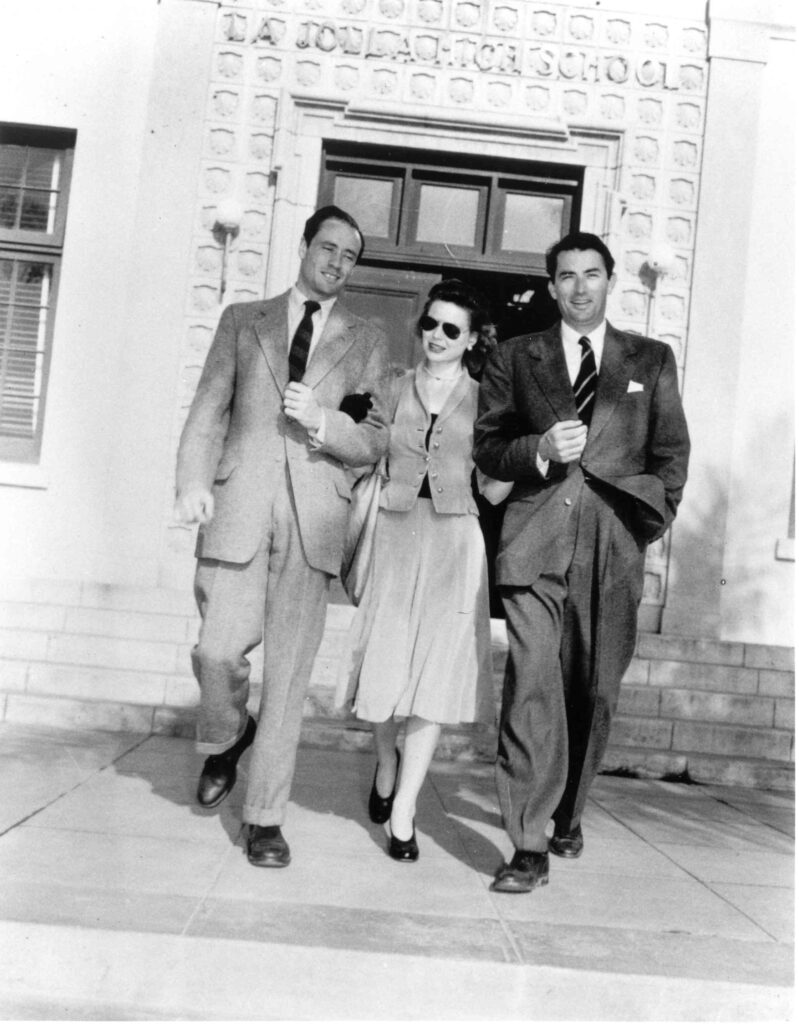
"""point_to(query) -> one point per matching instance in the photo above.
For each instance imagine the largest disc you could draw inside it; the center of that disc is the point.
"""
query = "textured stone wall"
(630, 84)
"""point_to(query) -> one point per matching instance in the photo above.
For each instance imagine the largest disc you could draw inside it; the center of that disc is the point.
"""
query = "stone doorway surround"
(619, 93)
(303, 123)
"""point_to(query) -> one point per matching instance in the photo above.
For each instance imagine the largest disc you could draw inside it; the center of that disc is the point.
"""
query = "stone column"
(738, 51)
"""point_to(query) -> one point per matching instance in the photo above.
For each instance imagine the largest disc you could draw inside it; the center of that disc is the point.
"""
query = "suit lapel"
(548, 366)
(272, 333)
(615, 373)
(337, 338)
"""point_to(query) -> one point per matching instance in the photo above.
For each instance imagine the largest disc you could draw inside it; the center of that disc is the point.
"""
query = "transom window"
(483, 212)
(35, 165)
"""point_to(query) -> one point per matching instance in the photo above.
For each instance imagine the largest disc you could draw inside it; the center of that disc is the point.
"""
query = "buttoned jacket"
(636, 453)
(238, 441)
(447, 461)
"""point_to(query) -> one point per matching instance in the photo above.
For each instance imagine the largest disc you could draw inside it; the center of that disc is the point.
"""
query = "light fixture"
(658, 263)
(226, 226)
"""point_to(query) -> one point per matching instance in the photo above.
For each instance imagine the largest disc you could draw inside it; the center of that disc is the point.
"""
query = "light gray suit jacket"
(238, 441)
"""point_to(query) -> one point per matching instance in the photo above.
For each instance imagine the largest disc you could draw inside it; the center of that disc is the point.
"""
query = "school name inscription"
(463, 51)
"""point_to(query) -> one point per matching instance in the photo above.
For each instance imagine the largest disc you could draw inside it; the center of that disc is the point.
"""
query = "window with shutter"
(35, 166)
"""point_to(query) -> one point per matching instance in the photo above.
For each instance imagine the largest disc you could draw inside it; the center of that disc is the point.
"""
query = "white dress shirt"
(570, 339)
(296, 312)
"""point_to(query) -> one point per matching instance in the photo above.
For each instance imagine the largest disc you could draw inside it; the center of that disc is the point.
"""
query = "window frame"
(495, 177)
(21, 245)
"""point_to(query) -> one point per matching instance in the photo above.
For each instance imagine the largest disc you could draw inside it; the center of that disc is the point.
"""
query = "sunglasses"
(427, 323)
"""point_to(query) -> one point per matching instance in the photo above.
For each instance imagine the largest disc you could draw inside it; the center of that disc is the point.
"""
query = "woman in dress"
(420, 642)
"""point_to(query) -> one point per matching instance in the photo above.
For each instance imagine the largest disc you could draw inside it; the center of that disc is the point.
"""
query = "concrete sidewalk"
(121, 899)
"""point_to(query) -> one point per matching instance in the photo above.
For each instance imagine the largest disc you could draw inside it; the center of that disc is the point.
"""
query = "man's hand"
(563, 442)
(300, 404)
(196, 505)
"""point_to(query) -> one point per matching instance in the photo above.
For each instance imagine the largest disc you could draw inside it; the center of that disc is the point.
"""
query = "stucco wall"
(757, 599)
(84, 66)
(731, 574)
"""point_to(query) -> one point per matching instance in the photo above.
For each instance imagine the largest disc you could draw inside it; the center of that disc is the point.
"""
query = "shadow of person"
(171, 767)
(337, 783)
(469, 805)
(329, 798)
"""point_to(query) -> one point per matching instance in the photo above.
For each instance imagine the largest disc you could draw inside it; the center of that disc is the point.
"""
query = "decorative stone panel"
(531, 69)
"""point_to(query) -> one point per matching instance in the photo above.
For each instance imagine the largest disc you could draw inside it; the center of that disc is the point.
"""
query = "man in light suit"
(261, 466)
(588, 423)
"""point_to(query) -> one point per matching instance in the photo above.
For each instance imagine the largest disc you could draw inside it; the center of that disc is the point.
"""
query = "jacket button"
(439, 430)
(436, 444)
(439, 490)
(567, 501)
(434, 476)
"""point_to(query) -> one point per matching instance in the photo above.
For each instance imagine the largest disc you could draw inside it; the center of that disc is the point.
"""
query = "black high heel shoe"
(405, 850)
(380, 806)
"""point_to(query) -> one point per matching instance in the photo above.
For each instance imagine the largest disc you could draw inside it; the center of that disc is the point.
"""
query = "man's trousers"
(571, 637)
(281, 599)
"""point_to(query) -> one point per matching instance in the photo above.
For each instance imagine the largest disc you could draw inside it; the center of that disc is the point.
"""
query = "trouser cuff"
(206, 747)
(261, 816)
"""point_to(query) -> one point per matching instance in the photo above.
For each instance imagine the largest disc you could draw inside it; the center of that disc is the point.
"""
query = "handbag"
(360, 540)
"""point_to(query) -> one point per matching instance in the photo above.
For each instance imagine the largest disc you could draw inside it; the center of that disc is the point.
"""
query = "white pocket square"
(634, 386)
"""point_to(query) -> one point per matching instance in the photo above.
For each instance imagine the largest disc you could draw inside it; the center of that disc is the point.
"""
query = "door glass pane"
(368, 200)
(531, 223)
(448, 215)
(24, 300)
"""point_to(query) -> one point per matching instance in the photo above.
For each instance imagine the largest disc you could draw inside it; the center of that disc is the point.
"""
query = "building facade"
(181, 146)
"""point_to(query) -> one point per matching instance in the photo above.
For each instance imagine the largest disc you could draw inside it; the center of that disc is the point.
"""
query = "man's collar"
(297, 298)
(571, 337)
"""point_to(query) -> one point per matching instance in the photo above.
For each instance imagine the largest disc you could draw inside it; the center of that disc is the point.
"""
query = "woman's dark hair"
(476, 305)
(317, 219)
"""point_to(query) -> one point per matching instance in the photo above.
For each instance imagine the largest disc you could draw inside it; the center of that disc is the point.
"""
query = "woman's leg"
(421, 738)
(385, 739)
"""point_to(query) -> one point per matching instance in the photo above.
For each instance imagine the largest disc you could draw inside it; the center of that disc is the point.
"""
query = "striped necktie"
(301, 342)
(585, 383)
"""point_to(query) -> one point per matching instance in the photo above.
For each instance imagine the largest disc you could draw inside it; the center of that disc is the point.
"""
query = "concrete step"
(91, 656)
(57, 972)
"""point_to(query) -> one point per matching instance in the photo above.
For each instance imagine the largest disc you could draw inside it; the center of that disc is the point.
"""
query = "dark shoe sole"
(269, 863)
(514, 886)
(566, 846)
(210, 804)
(569, 854)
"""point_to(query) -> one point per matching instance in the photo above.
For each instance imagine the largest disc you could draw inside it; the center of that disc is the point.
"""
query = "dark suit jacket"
(238, 441)
(636, 453)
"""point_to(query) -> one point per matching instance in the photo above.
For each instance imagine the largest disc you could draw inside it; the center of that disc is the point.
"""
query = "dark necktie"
(301, 342)
(585, 383)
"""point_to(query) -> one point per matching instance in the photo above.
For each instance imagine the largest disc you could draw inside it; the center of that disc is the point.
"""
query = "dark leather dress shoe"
(266, 847)
(219, 771)
(380, 806)
(405, 850)
(567, 844)
(526, 871)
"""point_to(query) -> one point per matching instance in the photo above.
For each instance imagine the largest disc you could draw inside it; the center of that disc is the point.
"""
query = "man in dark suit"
(588, 423)
(262, 467)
